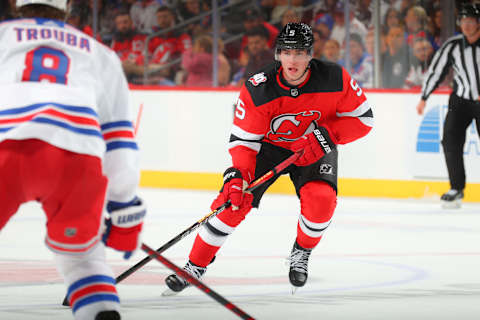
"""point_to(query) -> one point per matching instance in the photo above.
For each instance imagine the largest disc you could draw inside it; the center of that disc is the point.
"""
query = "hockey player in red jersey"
(297, 104)
(67, 141)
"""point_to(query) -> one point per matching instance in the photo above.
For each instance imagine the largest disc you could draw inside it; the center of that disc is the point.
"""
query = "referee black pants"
(460, 114)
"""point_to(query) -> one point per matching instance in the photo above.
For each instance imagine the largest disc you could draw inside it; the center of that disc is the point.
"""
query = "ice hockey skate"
(298, 266)
(108, 315)
(176, 284)
(452, 199)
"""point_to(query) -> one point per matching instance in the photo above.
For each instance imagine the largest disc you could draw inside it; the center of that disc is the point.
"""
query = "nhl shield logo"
(294, 92)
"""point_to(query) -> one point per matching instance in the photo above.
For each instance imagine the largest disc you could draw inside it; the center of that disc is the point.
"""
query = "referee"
(462, 53)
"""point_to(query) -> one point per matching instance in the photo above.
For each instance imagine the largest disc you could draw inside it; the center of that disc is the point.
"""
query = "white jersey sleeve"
(63, 87)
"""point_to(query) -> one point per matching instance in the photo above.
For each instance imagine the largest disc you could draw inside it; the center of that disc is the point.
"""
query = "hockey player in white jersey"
(67, 141)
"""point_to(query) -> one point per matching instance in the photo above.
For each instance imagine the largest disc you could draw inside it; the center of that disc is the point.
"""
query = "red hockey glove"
(124, 225)
(233, 188)
(313, 146)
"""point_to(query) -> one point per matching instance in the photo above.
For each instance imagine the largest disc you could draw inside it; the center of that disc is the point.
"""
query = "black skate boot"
(298, 266)
(108, 315)
(452, 199)
(176, 284)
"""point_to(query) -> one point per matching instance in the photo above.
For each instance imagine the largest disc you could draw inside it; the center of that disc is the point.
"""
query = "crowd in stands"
(170, 42)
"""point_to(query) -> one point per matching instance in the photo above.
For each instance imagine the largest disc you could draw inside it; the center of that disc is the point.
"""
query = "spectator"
(338, 31)
(8, 10)
(360, 61)
(197, 63)
(126, 4)
(167, 47)
(331, 51)
(422, 55)
(370, 43)
(325, 6)
(189, 9)
(437, 25)
(253, 19)
(224, 68)
(324, 22)
(143, 14)
(395, 60)
(127, 43)
(363, 12)
(392, 19)
(259, 52)
(279, 7)
(318, 43)
(403, 5)
(238, 77)
(416, 23)
(106, 16)
(291, 14)
(77, 19)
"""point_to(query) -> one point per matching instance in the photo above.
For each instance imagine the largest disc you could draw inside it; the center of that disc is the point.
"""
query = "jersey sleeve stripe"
(118, 135)
(245, 135)
(251, 145)
(65, 125)
(116, 124)
(121, 144)
(363, 113)
(360, 110)
(26, 109)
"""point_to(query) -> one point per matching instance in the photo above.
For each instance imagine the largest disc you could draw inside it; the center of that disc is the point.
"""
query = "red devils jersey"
(164, 48)
(270, 110)
(130, 48)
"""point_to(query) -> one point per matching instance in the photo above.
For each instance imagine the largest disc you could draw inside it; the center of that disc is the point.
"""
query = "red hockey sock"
(202, 253)
(318, 201)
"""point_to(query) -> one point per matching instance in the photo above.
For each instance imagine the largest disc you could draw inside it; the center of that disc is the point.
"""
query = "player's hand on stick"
(124, 225)
(233, 189)
(313, 146)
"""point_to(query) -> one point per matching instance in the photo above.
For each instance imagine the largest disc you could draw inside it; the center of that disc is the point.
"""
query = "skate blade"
(457, 204)
(294, 290)
(169, 293)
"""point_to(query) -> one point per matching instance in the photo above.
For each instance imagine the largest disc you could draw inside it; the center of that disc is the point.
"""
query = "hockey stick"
(197, 283)
(254, 185)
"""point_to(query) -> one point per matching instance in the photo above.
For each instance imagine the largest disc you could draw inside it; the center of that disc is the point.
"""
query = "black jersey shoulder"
(324, 77)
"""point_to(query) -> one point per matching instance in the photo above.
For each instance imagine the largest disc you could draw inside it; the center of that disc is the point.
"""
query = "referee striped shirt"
(464, 58)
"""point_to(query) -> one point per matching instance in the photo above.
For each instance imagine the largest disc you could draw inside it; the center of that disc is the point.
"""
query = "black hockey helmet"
(295, 36)
(469, 10)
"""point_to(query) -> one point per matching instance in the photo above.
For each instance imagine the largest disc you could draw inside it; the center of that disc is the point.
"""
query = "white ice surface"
(379, 259)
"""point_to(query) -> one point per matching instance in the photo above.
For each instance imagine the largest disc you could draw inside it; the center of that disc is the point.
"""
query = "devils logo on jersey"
(290, 127)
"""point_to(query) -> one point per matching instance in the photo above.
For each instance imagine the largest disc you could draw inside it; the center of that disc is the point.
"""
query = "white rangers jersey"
(63, 87)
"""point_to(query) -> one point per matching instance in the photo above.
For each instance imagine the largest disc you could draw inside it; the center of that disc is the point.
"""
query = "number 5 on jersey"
(356, 87)
(240, 110)
(46, 64)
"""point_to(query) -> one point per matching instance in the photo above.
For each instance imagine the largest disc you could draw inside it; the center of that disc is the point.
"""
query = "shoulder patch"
(258, 78)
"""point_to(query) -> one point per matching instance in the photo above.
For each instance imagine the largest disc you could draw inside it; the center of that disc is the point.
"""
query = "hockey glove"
(234, 185)
(313, 146)
(124, 225)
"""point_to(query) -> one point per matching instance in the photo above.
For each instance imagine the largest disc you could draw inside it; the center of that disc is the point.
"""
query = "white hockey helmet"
(59, 4)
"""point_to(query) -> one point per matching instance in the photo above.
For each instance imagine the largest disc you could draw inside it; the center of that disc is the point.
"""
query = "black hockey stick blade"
(197, 283)
(252, 186)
